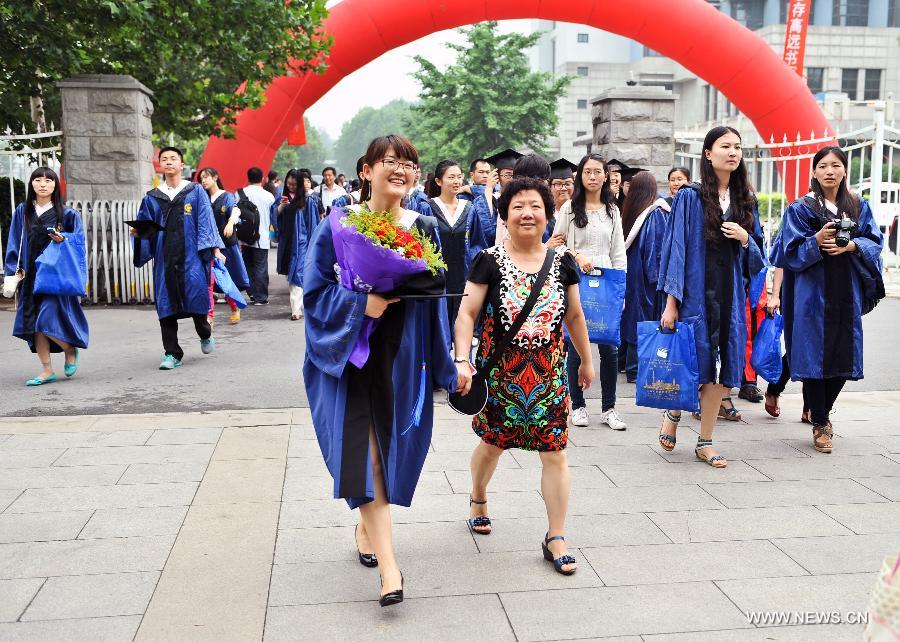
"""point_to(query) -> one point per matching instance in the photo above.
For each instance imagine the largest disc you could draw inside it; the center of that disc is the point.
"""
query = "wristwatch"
(460, 359)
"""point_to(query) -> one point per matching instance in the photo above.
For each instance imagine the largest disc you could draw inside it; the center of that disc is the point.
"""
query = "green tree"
(487, 100)
(311, 155)
(369, 122)
(193, 54)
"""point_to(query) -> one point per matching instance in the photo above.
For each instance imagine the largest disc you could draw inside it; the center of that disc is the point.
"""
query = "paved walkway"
(220, 526)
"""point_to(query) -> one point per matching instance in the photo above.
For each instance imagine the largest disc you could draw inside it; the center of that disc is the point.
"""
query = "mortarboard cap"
(145, 227)
(562, 168)
(615, 165)
(504, 159)
(629, 172)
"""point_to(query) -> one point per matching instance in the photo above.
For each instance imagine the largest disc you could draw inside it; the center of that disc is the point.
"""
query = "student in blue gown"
(294, 228)
(644, 220)
(714, 243)
(47, 323)
(828, 287)
(492, 231)
(181, 255)
(226, 213)
(374, 423)
(455, 218)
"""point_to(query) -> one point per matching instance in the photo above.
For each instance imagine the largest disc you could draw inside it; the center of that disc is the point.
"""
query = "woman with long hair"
(295, 225)
(644, 220)
(47, 323)
(226, 213)
(714, 244)
(830, 248)
(589, 227)
(362, 415)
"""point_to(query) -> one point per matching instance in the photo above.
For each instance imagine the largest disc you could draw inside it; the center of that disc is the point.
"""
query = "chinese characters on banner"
(795, 34)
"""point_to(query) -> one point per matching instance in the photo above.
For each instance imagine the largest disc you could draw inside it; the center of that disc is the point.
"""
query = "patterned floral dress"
(528, 389)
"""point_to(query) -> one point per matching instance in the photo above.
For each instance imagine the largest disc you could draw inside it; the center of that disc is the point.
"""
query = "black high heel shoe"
(366, 559)
(394, 597)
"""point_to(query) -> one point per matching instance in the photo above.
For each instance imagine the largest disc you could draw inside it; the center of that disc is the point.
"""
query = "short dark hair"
(359, 165)
(170, 148)
(475, 162)
(532, 165)
(333, 171)
(522, 184)
(254, 175)
(272, 175)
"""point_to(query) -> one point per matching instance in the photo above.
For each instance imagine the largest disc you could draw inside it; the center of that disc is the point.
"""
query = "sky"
(366, 86)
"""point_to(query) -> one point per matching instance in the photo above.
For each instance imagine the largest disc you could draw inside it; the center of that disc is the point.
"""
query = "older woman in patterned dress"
(528, 390)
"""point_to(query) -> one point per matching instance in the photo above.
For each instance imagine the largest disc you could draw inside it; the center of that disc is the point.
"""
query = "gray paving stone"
(60, 476)
(134, 522)
(410, 540)
(620, 610)
(524, 534)
(640, 499)
(666, 474)
(867, 518)
(459, 460)
(517, 479)
(161, 473)
(806, 633)
(808, 492)
(90, 596)
(303, 447)
(888, 487)
(83, 557)
(312, 466)
(42, 441)
(843, 554)
(667, 563)
(8, 496)
(179, 436)
(298, 486)
(435, 576)
(88, 497)
(820, 593)
(462, 441)
(136, 455)
(843, 446)
(891, 443)
(746, 523)
(15, 595)
(437, 618)
(595, 456)
(241, 480)
(29, 458)
(827, 467)
(41, 527)
(634, 436)
(737, 450)
(102, 629)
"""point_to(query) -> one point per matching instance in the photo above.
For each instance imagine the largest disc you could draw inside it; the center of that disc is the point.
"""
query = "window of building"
(815, 79)
(707, 89)
(893, 13)
(582, 71)
(580, 134)
(850, 83)
(872, 87)
(811, 8)
(649, 53)
(582, 38)
(582, 104)
(850, 13)
(749, 13)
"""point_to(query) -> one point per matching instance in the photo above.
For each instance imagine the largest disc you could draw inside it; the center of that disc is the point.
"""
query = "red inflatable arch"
(709, 43)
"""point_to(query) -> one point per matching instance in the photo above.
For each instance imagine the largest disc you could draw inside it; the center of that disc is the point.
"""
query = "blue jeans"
(257, 262)
(608, 371)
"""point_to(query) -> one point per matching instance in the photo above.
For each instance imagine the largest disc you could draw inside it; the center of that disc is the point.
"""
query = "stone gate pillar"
(107, 131)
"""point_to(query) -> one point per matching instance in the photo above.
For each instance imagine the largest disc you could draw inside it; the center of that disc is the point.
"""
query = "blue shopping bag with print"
(61, 269)
(226, 284)
(668, 374)
(766, 355)
(602, 298)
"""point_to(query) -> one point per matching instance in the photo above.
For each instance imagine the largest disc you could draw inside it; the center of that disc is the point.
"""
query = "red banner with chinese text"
(795, 34)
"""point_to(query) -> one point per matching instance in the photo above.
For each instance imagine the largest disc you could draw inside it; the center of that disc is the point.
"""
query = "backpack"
(247, 228)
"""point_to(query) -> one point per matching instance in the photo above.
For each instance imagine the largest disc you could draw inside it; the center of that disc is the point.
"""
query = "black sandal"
(562, 560)
(366, 559)
(481, 521)
(666, 441)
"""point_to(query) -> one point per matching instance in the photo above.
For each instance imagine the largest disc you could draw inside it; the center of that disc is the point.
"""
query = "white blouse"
(601, 240)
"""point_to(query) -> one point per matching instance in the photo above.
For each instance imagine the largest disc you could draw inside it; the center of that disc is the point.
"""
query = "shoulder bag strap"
(523, 314)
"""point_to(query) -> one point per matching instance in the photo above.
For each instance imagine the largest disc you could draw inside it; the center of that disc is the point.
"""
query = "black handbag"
(476, 399)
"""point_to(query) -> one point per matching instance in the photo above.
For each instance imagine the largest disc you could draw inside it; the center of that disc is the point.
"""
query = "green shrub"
(774, 202)
(5, 209)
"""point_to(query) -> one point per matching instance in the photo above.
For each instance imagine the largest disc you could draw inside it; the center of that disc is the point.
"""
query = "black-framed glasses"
(391, 165)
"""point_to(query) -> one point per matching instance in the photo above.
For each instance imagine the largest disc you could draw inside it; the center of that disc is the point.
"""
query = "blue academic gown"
(805, 293)
(60, 317)
(234, 260)
(642, 300)
(334, 316)
(483, 231)
(682, 273)
(182, 254)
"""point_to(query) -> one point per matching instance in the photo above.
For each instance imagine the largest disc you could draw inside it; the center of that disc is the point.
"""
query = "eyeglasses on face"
(391, 164)
(594, 172)
(506, 174)
(562, 184)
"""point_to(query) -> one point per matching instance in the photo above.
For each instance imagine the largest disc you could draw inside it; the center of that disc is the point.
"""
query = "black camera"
(845, 229)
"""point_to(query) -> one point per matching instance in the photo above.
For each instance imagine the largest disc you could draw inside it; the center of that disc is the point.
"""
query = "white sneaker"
(579, 417)
(612, 419)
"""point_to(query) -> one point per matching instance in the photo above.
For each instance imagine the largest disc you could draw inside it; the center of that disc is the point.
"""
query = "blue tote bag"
(61, 269)
(226, 284)
(602, 298)
(766, 355)
(668, 374)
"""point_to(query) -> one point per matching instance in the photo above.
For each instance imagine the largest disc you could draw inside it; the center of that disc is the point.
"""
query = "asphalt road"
(255, 365)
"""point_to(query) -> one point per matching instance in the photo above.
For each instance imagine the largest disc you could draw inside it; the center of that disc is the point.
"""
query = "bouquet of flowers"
(376, 255)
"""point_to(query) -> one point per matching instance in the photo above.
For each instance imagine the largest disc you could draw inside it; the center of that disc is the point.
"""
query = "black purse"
(476, 399)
